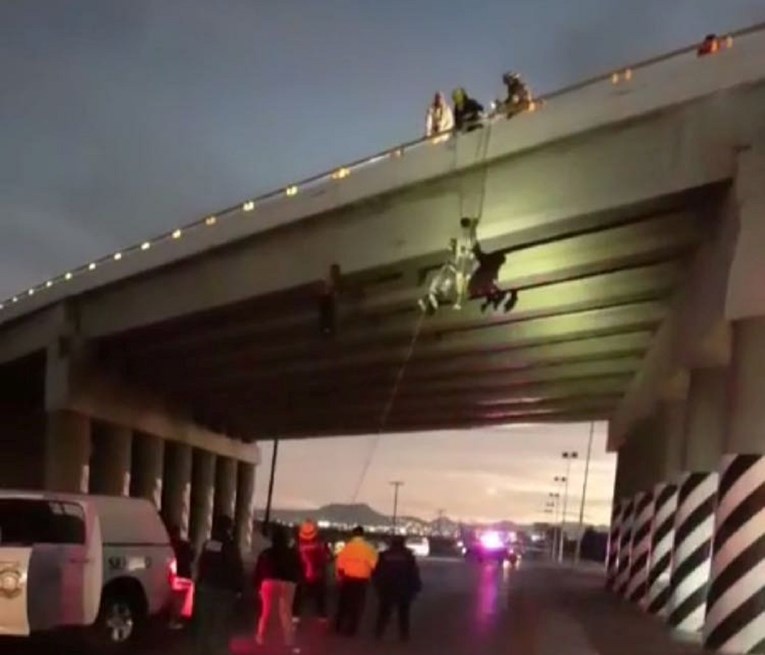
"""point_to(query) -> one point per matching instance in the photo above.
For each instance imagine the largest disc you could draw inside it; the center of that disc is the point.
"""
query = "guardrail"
(624, 74)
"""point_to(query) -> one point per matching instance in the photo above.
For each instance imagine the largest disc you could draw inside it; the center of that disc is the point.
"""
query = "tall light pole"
(396, 484)
(584, 495)
(270, 497)
(567, 456)
(555, 496)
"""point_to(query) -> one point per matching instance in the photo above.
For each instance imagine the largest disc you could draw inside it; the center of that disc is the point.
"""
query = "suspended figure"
(518, 96)
(450, 283)
(483, 283)
(468, 273)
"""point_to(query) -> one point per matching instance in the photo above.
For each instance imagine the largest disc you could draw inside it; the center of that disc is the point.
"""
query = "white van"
(75, 560)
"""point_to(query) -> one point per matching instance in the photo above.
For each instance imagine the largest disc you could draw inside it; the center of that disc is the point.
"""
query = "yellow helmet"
(458, 95)
(309, 530)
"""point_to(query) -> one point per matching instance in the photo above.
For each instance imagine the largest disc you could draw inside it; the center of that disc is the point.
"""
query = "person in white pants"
(277, 574)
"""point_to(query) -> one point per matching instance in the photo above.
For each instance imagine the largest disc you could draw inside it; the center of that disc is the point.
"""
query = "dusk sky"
(121, 119)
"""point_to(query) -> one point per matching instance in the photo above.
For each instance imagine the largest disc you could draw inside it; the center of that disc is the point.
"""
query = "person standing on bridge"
(439, 118)
(397, 580)
(467, 111)
(355, 565)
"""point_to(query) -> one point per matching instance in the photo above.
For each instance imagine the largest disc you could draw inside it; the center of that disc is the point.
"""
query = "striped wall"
(662, 543)
(625, 539)
(735, 621)
(614, 534)
(640, 547)
(694, 528)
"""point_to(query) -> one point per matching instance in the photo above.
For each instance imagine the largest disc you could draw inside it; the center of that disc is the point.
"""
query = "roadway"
(466, 609)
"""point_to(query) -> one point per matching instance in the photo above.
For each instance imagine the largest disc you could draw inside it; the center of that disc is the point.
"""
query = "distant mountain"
(363, 514)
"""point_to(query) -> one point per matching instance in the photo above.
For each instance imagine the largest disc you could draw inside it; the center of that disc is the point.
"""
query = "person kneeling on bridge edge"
(220, 578)
(468, 112)
(355, 565)
(518, 96)
(397, 580)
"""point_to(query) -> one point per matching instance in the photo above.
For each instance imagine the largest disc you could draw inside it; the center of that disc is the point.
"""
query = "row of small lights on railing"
(617, 77)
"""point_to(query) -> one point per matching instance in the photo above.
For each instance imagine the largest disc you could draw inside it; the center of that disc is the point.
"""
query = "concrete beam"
(574, 271)
(319, 390)
(609, 169)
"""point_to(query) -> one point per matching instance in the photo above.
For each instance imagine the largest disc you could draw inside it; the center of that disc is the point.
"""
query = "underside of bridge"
(590, 296)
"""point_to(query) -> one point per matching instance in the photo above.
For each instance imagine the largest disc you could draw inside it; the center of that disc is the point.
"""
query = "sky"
(120, 120)
(501, 473)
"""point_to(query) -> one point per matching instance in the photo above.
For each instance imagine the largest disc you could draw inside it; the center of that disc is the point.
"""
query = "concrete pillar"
(225, 486)
(110, 465)
(735, 622)
(628, 476)
(202, 494)
(641, 478)
(697, 493)
(176, 486)
(670, 432)
(67, 452)
(147, 468)
(245, 505)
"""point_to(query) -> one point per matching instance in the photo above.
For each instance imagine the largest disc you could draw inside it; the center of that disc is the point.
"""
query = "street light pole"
(584, 494)
(270, 497)
(568, 456)
(396, 484)
(555, 502)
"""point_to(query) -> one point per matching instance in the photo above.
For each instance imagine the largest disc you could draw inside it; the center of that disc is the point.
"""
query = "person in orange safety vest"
(355, 565)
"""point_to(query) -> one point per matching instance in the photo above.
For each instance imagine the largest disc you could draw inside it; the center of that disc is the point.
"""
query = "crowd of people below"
(289, 574)
(467, 113)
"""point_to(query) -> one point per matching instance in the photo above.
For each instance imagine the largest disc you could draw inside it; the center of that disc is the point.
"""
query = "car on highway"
(420, 546)
(100, 563)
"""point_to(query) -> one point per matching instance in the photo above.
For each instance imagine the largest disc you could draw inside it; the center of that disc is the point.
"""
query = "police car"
(99, 562)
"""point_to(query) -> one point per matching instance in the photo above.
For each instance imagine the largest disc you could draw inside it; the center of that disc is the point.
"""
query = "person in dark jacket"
(467, 111)
(397, 581)
(518, 97)
(315, 557)
(219, 580)
(276, 576)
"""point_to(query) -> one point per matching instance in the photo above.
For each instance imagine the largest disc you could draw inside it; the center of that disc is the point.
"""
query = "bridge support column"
(645, 443)
(67, 452)
(245, 505)
(670, 426)
(202, 495)
(176, 487)
(148, 467)
(735, 622)
(110, 464)
(225, 486)
(628, 478)
(697, 493)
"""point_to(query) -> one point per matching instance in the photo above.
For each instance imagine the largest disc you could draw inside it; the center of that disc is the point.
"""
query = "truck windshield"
(30, 521)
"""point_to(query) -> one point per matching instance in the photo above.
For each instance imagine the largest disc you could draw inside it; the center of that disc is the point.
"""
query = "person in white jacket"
(440, 117)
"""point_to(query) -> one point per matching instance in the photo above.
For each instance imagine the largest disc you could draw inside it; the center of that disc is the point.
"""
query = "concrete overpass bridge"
(630, 208)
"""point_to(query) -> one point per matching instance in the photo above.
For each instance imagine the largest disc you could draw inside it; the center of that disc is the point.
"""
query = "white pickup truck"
(99, 562)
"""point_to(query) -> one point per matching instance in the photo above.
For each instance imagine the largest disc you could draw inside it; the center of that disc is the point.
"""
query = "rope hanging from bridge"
(480, 157)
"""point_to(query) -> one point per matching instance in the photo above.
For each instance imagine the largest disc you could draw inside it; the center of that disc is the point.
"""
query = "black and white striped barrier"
(735, 620)
(625, 537)
(614, 534)
(692, 557)
(640, 548)
(662, 541)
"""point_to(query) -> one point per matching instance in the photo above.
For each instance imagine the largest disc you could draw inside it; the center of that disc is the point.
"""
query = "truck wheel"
(118, 623)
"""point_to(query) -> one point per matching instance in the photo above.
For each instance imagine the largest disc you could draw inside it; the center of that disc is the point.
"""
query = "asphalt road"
(467, 609)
